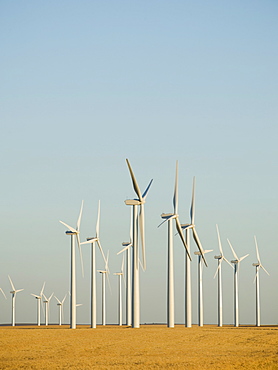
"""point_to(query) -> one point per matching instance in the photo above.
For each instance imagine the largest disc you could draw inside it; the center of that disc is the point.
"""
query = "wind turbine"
(60, 305)
(258, 265)
(13, 292)
(187, 228)
(200, 286)
(93, 242)
(39, 301)
(104, 273)
(74, 232)
(127, 247)
(46, 302)
(120, 275)
(135, 258)
(220, 259)
(170, 283)
(236, 263)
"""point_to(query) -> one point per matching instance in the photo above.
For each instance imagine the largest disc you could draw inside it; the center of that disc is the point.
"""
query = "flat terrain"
(150, 347)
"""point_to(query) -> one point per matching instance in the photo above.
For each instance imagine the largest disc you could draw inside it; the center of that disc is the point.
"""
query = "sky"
(87, 84)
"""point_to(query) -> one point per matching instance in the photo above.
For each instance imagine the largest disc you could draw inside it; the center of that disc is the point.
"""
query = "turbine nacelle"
(134, 202)
(72, 233)
(256, 264)
(218, 257)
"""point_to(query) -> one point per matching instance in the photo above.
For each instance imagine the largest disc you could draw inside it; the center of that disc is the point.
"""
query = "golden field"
(150, 347)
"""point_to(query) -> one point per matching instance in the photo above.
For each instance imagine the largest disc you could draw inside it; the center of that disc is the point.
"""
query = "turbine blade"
(57, 299)
(108, 281)
(18, 290)
(64, 299)
(124, 249)
(176, 192)
(98, 219)
(80, 253)
(192, 210)
(49, 299)
(42, 289)
(135, 184)
(242, 258)
(264, 269)
(219, 241)
(255, 276)
(225, 259)
(89, 241)
(234, 253)
(167, 219)
(69, 227)
(79, 218)
(123, 262)
(3, 292)
(217, 270)
(179, 230)
(142, 233)
(130, 227)
(101, 250)
(13, 288)
(34, 295)
(199, 245)
(144, 196)
(257, 250)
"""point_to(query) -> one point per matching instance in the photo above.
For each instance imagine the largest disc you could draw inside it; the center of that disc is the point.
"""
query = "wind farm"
(150, 112)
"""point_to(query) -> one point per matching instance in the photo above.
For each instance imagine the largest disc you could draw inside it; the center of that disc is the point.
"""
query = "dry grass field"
(150, 347)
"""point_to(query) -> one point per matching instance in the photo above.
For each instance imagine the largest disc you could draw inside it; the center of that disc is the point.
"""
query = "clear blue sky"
(86, 84)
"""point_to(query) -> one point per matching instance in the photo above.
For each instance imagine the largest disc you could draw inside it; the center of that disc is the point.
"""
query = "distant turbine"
(220, 258)
(39, 302)
(258, 265)
(13, 292)
(170, 284)
(135, 258)
(46, 302)
(120, 275)
(200, 286)
(60, 305)
(187, 228)
(103, 274)
(127, 247)
(74, 232)
(236, 263)
(92, 241)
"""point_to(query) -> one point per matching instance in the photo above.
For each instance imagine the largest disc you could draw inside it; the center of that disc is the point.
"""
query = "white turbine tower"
(170, 283)
(127, 247)
(93, 241)
(13, 292)
(188, 227)
(135, 258)
(220, 259)
(60, 305)
(120, 308)
(236, 263)
(39, 301)
(104, 273)
(258, 265)
(74, 233)
(200, 286)
(47, 313)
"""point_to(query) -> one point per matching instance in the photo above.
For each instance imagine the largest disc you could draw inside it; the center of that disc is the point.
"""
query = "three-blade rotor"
(140, 201)
(76, 232)
(221, 257)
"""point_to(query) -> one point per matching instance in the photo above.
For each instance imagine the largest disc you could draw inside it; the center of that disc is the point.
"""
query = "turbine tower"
(60, 305)
(220, 259)
(200, 287)
(93, 242)
(120, 307)
(103, 274)
(13, 292)
(39, 301)
(258, 265)
(135, 258)
(46, 302)
(74, 233)
(127, 247)
(236, 263)
(170, 282)
(187, 228)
